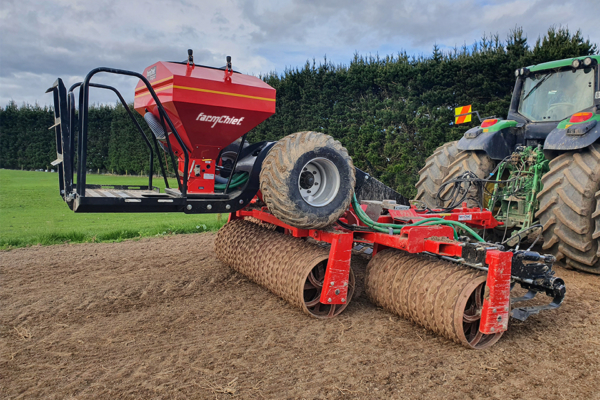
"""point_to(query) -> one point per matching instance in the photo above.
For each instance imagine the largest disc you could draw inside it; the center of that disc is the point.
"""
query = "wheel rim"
(319, 182)
(468, 317)
(313, 287)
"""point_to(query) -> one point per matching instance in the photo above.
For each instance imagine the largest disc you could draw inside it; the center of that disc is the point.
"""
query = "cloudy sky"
(41, 40)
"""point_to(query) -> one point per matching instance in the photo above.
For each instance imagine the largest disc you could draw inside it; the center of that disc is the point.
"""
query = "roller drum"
(440, 296)
(291, 268)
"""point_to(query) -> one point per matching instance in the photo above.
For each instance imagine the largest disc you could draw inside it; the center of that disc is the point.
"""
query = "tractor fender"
(573, 138)
(497, 145)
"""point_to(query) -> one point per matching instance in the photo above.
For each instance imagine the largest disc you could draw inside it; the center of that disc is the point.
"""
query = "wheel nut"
(329, 300)
(494, 311)
(343, 300)
(331, 283)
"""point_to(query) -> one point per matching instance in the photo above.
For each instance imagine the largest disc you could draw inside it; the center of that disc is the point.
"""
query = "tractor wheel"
(433, 173)
(475, 161)
(307, 180)
(570, 209)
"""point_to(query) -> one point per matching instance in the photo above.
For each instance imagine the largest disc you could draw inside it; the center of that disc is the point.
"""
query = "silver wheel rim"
(319, 182)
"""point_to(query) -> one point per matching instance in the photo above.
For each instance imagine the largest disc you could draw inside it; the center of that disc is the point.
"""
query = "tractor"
(538, 169)
(297, 207)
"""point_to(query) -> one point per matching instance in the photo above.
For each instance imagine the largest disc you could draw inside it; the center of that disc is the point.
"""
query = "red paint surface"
(473, 217)
(338, 270)
(496, 304)
(188, 94)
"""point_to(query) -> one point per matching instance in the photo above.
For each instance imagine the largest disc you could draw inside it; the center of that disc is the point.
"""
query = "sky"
(41, 40)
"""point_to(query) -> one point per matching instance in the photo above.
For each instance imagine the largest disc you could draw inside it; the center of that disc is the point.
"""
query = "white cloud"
(43, 39)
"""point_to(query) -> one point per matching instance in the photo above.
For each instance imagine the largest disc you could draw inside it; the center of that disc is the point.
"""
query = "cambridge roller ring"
(435, 294)
(291, 268)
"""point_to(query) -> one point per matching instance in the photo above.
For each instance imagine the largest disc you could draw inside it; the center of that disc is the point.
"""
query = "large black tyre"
(287, 175)
(475, 161)
(570, 209)
(433, 173)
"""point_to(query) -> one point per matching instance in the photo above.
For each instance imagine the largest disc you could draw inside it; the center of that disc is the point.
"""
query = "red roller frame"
(473, 217)
(437, 239)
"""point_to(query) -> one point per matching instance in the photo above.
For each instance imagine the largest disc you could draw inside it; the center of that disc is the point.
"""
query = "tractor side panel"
(558, 139)
(497, 145)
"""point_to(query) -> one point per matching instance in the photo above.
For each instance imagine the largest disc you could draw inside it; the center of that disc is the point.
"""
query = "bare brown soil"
(163, 318)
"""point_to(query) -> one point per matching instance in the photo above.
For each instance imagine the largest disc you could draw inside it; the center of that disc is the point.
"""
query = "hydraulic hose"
(395, 228)
(237, 180)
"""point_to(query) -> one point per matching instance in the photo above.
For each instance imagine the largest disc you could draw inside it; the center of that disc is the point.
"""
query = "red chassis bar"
(435, 239)
(473, 217)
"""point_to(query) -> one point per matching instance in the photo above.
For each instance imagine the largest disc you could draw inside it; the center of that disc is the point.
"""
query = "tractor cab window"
(553, 96)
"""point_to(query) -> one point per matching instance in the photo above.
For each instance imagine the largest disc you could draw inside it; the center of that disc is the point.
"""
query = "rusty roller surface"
(435, 294)
(289, 267)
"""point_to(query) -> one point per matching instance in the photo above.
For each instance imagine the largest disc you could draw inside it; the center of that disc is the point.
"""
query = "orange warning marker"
(462, 114)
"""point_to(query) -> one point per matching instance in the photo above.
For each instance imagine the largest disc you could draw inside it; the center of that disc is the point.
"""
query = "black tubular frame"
(63, 148)
(237, 157)
(71, 107)
(72, 156)
(84, 94)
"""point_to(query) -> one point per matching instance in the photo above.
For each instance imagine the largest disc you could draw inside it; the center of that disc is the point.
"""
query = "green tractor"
(539, 169)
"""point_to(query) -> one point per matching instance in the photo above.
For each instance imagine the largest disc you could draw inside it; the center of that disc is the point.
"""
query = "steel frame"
(432, 240)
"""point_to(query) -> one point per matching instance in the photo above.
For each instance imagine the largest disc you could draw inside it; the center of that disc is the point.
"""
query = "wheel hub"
(319, 182)
(307, 180)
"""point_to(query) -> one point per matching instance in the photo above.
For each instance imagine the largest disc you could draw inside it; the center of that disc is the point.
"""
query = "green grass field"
(32, 212)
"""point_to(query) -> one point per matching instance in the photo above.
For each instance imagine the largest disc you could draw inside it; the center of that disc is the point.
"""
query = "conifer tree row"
(390, 112)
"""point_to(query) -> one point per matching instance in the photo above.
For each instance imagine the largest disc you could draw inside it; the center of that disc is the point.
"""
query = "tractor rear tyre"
(307, 180)
(570, 209)
(475, 161)
(433, 173)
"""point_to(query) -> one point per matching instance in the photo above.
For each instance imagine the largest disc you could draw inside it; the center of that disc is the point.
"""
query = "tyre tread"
(570, 209)
(276, 170)
(435, 170)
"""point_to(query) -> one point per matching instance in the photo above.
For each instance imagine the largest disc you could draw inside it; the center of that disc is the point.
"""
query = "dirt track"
(162, 318)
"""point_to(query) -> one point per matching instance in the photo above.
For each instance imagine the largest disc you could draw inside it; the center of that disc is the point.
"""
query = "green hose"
(237, 180)
(385, 228)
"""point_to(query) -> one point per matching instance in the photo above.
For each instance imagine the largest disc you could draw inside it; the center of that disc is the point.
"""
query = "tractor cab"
(546, 98)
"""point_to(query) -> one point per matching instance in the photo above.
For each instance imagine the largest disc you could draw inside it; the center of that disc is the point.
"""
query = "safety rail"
(66, 122)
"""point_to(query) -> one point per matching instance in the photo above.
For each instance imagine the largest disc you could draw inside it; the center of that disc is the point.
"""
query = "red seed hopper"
(210, 109)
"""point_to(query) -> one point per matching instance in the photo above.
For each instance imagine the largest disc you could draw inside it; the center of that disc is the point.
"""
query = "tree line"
(390, 112)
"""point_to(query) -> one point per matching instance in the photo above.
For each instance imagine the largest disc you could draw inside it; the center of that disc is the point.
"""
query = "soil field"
(163, 318)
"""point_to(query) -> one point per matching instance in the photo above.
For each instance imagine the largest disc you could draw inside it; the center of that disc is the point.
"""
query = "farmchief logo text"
(216, 119)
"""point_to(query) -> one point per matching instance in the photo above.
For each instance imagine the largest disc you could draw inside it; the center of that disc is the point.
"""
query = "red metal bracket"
(436, 239)
(496, 302)
(474, 217)
(337, 274)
